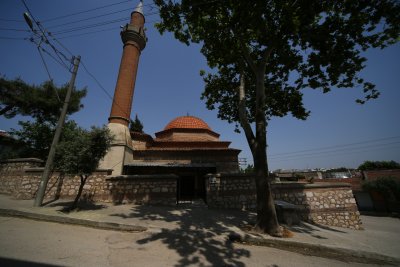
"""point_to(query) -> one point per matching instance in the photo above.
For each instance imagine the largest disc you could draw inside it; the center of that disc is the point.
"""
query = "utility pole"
(50, 158)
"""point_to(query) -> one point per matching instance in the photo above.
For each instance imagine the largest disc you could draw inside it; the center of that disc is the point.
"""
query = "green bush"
(389, 187)
(379, 165)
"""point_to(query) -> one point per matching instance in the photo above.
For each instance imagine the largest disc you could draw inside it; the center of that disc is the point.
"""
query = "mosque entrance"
(190, 188)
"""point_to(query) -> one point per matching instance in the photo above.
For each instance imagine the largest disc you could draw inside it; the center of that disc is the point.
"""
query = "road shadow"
(200, 234)
(23, 263)
(313, 230)
(83, 205)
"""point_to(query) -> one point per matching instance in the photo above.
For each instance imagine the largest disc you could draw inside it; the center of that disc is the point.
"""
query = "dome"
(187, 122)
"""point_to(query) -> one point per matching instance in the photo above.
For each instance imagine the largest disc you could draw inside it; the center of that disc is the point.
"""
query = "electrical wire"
(13, 20)
(94, 17)
(338, 154)
(46, 41)
(84, 11)
(14, 30)
(98, 24)
(346, 146)
(94, 25)
(102, 87)
(44, 63)
(87, 33)
(13, 38)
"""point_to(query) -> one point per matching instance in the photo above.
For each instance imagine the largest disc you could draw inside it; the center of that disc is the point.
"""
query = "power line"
(46, 40)
(344, 150)
(102, 87)
(13, 20)
(98, 24)
(13, 38)
(14, 30)
(87, 33)
(85, 19)
(337, 154)
(94, 25)
(85, 11)
(335, 146)
(44, 63)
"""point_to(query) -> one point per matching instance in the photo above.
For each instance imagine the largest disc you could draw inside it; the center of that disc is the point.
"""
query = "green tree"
(379, 165)
(136, 125)
(80, 152)
(263, 53)
(41, 102)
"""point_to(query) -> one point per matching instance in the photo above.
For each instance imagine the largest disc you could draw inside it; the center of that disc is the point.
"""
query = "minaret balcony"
(132, 33)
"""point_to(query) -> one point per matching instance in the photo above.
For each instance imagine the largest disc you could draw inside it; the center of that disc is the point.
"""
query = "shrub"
(389, 187)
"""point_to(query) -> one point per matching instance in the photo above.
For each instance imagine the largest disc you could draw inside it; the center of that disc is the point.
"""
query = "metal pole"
(50, 158)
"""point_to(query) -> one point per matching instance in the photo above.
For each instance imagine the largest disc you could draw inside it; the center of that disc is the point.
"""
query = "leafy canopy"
(379, 165)
(41, 102)
(80, 150)
(303, 44)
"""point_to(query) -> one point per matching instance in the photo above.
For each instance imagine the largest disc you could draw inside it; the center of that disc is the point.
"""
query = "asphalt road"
(32, 243)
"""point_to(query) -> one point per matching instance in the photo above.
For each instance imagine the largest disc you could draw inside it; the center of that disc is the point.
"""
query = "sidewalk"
(378, 243)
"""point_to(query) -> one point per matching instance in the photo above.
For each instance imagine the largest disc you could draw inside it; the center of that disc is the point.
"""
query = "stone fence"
(21, 177)
(323, 203)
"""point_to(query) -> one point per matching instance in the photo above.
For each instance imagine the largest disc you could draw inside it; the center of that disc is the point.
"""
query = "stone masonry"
(322, 203)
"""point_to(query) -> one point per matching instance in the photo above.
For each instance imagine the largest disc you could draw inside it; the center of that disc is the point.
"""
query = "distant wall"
(376, 174)
(323, 203)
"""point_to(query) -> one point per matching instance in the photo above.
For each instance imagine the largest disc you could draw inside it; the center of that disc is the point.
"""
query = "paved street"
(26, 243)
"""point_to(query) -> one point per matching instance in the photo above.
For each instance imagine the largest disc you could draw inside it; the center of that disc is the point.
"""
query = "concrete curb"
(73, 221)
(336, 253)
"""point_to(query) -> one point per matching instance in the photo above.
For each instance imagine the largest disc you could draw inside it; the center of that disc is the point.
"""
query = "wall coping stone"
(22, 160)
(40, 169)
(280, 185)
(137, 176)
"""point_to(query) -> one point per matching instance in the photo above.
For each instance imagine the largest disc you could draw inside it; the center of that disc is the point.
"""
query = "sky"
(339, 132)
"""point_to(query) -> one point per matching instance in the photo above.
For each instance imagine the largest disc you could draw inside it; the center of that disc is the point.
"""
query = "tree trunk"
(266, 215)
(80, 190)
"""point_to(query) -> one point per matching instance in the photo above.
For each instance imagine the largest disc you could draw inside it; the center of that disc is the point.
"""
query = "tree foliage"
(309, 44)
(41, 102)
(379, 165)
(264, 53)
(389, 187)
(80, 152)
(136, 125)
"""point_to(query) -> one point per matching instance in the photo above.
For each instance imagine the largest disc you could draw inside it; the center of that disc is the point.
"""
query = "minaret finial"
(139, 8)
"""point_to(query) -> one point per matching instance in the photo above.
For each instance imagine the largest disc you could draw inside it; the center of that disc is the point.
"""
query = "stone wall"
(20, 178)
(144, 189)
(323, 203)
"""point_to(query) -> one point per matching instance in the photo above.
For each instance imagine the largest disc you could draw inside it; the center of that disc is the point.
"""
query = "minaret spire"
(134, 40)
(139, 8)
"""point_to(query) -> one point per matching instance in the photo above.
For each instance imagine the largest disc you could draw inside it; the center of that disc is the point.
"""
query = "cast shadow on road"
(199, 236)
(22, 263)
(313, 230)
(83, 205)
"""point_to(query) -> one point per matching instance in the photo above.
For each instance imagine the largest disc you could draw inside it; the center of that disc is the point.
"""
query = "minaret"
(134, 40)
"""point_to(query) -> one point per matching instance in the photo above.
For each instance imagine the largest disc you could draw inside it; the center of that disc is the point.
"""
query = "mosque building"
(187, 147)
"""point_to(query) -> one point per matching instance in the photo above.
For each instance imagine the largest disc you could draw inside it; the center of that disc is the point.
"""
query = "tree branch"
(244, 122)
(247, 57)
(266, 54)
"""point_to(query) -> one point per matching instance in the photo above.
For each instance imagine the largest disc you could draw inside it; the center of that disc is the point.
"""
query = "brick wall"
(374, 175)
(355, 182)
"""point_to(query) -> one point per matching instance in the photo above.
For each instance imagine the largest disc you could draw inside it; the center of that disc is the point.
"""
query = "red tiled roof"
(187, 122)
